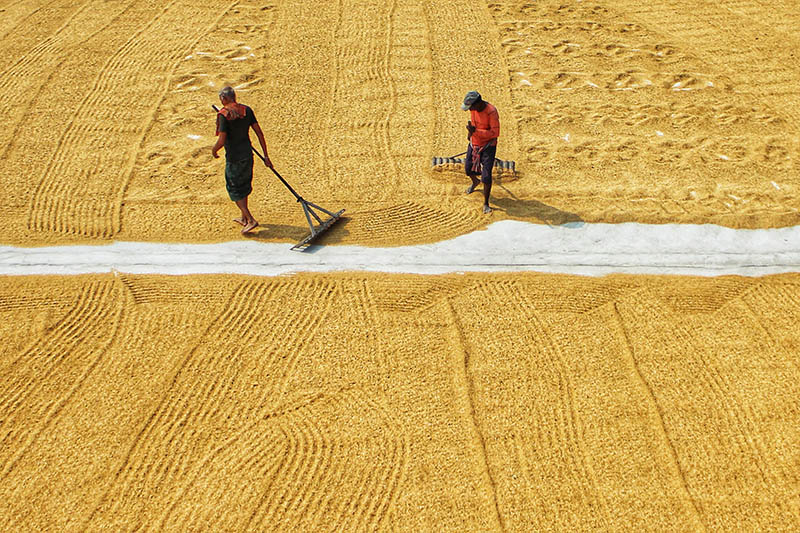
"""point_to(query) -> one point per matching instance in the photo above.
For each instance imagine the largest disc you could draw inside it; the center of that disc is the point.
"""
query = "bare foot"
(486, 209)
(471, 188)
(250, 226)
(240, 221)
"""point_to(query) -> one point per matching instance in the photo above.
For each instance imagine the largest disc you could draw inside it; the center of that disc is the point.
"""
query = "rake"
(309, 209)
(438, 163)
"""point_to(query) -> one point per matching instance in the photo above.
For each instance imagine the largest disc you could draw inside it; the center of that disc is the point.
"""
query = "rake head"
(315, 231)
(443, 163)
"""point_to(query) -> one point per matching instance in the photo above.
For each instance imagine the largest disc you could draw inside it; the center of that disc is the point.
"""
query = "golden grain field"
(372, 402)
(367, 402)
(676, 111)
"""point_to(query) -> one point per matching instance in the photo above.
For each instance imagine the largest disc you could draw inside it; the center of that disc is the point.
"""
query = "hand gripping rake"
(308, 209)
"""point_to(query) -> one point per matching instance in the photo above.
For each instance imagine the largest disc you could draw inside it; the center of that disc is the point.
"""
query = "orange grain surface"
(399, 403)
(614, 112)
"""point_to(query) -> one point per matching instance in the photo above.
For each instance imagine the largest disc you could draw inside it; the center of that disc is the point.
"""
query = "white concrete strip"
(506, 246)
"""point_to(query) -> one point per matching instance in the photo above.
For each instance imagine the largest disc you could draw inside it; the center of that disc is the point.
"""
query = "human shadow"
(285, 233)
(277, 232)
(533, 208)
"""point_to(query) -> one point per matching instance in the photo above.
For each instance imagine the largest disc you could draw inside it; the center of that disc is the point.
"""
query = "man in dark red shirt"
(234, 121)
(483, 129)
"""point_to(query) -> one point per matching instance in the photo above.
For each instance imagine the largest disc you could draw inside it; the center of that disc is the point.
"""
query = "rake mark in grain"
(366, 308)
(131, 465)
(740, 306)
(709, 30)
(464, 375)
(148, 290)
(22, 82)
(738, 414)
(325, 430)
(362, 84)
(301, 333)
(740, 437)
(383, 489)
(509, 293)
(413, 296)
(260, 441)
(222, 368)
(29, 64)
(314, 445)
(221, 354)
(108, 129)
(410, 66)
(13, 20)
(415, 222)
(656, 408)
(45, 377)
(20, 69)
(769, 297)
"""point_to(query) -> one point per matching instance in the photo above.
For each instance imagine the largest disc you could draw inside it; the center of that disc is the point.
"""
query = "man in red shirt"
(483, 129)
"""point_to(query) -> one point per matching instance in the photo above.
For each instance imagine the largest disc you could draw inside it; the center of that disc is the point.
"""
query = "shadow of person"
(334, 234)
(533, 208)
(285, 233)
(281, 232)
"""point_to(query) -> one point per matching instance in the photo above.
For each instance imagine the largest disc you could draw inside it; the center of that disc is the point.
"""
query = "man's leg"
(487, 164)
(238, 182)
(468, 170)
(247, 176)
(247, 216)
(250, 222)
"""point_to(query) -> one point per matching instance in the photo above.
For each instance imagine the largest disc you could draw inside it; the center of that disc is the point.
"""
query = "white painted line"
(506, 246)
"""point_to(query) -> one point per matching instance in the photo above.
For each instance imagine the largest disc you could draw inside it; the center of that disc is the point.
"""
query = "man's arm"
(220, 143)
(262, 142)
(494, 125)
(487, 135)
